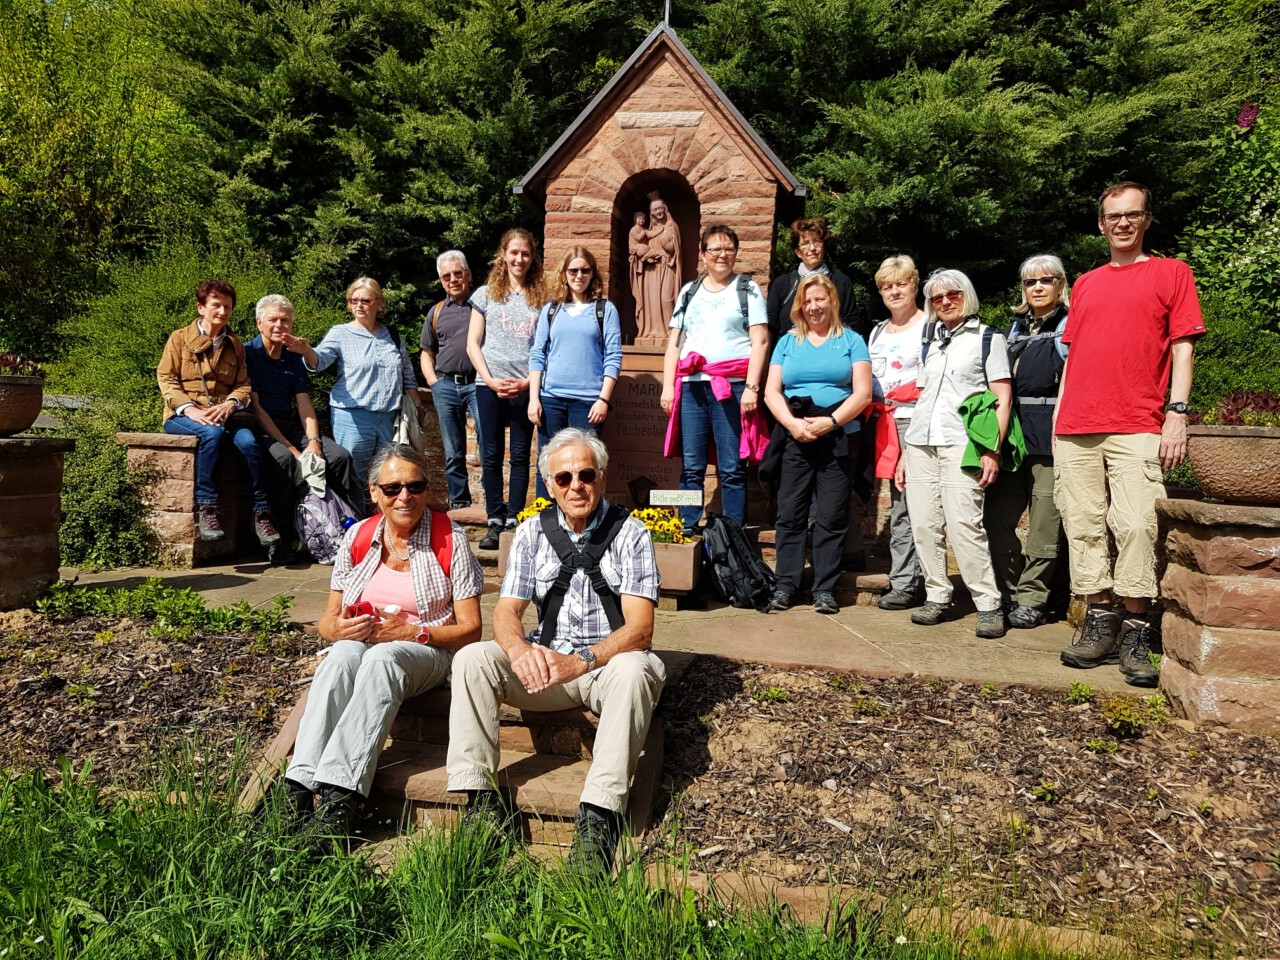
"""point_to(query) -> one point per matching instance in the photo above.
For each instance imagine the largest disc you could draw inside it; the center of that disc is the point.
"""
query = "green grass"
(175, 871)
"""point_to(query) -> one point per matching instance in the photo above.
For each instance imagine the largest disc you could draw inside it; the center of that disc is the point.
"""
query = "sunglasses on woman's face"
(578, 271)
(392, 490)
(586, 475)
(948, 296)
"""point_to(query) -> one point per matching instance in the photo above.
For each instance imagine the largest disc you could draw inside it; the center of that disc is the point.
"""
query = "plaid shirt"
(372, 373)
(434, 592)
(629, 566)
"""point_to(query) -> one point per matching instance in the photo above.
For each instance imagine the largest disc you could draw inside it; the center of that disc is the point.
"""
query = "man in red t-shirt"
(1131, 330)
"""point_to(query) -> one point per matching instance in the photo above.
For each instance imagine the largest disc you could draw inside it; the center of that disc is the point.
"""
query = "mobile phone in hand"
(362, 609)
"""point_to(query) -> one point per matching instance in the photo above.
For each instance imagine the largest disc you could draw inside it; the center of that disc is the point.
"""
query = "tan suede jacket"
(191, 371)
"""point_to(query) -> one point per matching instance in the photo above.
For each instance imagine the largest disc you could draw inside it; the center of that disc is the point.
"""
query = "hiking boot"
(1023, 617)
(781, 600)
(1137, 636)
(825, 602)
(281, 554)
(265, 529)
(1095, 642)
(207, 522)
(896, 599)
(931, 613)
(490, 539)
(484, 807)
(990, 624)
(335, 818)
(595, 840)
(512, 523)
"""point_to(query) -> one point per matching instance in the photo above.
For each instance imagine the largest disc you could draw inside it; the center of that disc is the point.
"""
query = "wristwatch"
(753, 387)
(588, 657)
(1177, 407)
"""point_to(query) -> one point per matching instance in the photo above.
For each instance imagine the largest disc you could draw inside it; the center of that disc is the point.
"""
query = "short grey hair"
(950, 280)
(572, 437)
(1042, 265)
(451, 256)
(273, 301)
(397, 451)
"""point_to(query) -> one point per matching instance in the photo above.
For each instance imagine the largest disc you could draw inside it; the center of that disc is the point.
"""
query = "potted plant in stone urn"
(1235, 449)
(21, 392)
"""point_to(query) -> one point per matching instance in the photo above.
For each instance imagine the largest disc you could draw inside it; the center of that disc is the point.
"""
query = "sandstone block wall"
(1222, 620)
(30, 514)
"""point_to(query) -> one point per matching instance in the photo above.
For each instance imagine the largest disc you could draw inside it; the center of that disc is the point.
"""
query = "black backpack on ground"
(737, 572)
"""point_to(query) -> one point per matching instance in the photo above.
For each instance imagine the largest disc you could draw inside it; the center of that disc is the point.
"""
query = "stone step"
(540, 784)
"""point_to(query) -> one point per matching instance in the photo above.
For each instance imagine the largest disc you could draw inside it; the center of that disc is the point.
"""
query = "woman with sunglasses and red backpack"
(405, 594)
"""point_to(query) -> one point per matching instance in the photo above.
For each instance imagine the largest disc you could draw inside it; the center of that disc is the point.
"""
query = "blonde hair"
(560, 287)
(897, 267)
(499, 284)
(374, 287)
(798, 325)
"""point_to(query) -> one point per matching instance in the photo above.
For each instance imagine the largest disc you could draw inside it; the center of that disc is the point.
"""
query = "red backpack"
(441, 539)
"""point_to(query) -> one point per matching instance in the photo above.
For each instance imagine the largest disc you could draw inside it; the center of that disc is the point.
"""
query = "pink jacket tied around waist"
(755, 435)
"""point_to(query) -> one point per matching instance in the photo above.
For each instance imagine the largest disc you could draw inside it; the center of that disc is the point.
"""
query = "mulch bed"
(986, 795)
(923, 787)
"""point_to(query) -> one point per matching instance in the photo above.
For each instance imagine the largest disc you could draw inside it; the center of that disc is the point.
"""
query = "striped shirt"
(372, 374)
(434, 592)
(629, 566)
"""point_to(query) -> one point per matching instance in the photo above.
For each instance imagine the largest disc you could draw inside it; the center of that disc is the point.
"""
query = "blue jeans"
(558, 413)
(211, 440)
(453, 402)
(703, 418)
(497, 414)
(363, 432)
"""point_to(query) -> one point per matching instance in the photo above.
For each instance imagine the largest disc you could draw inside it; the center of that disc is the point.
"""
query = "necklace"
(396, 554)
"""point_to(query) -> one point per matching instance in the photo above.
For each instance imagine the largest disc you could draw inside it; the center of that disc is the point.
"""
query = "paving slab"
(859, 639)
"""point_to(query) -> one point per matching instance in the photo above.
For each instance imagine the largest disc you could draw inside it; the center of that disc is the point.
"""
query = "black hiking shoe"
(595, 840)
(491, 537)
(1023, 617)
(1137, 637)
(1095, 642)
(781, 600)
(825, 602)
(335, 818)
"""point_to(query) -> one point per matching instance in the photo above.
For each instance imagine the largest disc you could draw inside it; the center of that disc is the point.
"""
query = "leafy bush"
(1240, 350)
(1234, 245)
(114, 345)
(102, 506)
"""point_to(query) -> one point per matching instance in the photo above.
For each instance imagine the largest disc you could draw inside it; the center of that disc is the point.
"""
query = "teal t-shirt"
(823, 373)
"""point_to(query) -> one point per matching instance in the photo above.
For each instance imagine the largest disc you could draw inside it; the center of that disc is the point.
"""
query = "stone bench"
(171, 498)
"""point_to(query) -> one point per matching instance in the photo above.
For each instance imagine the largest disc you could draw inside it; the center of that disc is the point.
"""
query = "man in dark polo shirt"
(449, 372)
(281, 393)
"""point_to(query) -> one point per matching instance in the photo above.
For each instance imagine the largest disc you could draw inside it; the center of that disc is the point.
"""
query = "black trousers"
(285, 483)
(812, 473)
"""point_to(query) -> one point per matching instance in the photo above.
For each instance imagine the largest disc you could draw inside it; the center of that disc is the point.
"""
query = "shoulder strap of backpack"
(435, 315)
(926, 339)
(684, 309)
(744, 287)
(876, 331)
(362, 540)
(552, 309)
(600, 302)
(441, 540)
(988, 333)
(571, 561)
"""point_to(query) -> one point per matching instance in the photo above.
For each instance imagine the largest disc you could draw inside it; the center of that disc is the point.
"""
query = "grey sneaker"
(207, 522)
(931, 613)
(595, 840)
(825, 602)
(1023, 617)
(1137, 636)
(896, 599)
(265, 529)
(990, 624)
(1095, 642)
(490, 540)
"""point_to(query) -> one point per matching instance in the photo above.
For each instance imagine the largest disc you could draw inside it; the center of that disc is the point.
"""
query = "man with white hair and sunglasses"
(590, 568)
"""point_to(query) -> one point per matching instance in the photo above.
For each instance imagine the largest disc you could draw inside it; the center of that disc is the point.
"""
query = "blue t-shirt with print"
(824, 373)
(276, 382)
